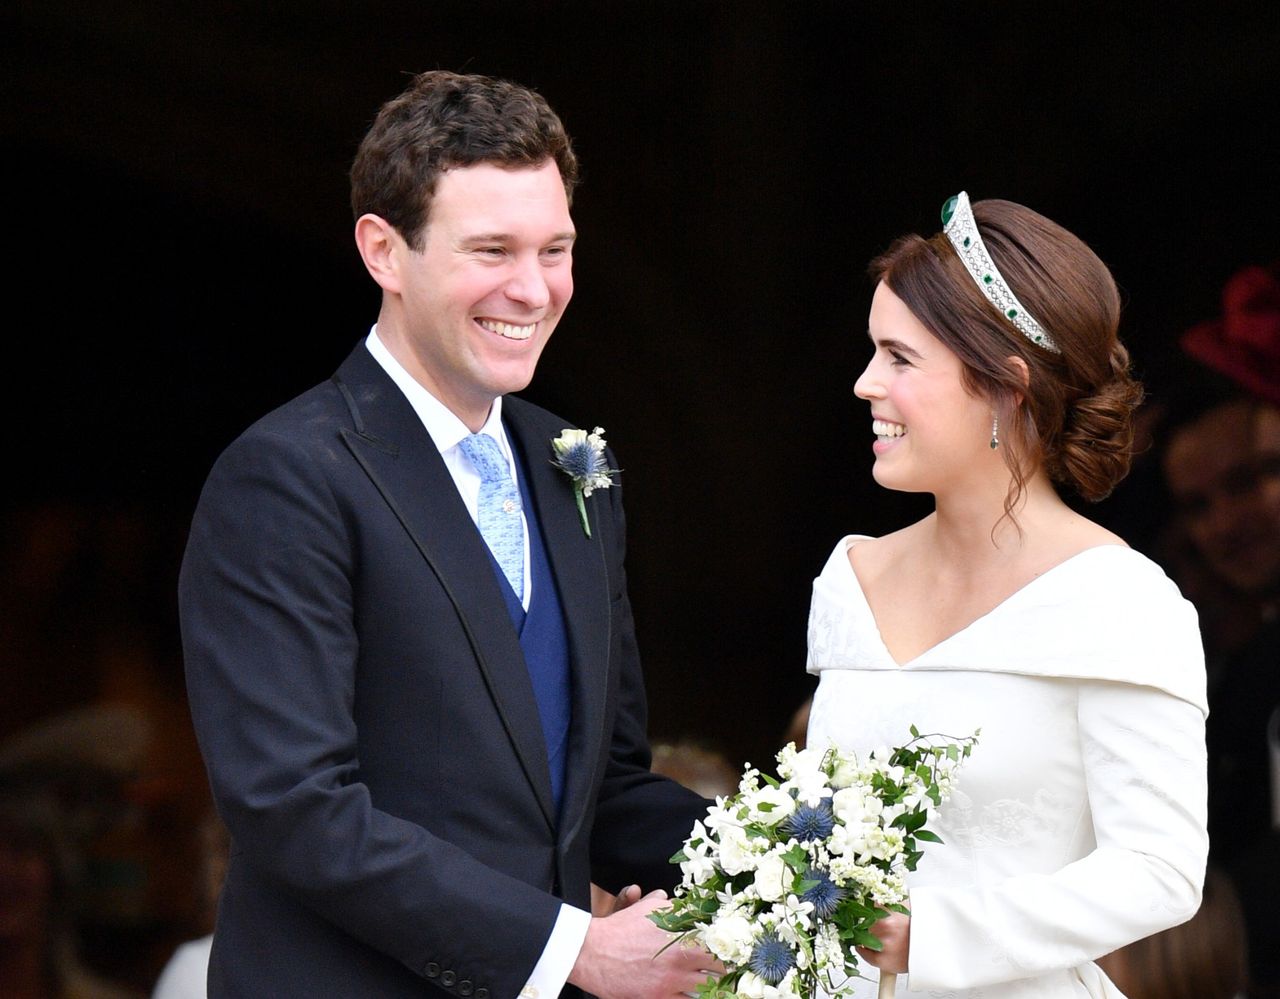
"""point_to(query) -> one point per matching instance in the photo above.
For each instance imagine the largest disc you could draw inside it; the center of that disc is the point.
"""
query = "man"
(426, 740)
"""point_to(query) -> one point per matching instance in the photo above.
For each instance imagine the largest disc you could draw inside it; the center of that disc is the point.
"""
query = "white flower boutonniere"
(580, 455)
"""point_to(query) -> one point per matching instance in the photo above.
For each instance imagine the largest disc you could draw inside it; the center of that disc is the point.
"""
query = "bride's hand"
(894, 931)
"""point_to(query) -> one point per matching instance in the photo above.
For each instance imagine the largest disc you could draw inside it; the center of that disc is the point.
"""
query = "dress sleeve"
(1144, 759)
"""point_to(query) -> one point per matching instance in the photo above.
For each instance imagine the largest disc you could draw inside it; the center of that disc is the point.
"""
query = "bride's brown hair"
(1072, 415)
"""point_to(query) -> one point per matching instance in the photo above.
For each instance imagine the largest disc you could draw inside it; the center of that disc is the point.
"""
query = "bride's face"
(930, 432)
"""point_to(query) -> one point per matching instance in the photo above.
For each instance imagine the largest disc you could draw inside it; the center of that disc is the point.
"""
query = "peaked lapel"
(579, 567)
(396, 452)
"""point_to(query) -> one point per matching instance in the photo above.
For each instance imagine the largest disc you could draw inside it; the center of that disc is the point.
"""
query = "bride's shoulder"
(867, 554)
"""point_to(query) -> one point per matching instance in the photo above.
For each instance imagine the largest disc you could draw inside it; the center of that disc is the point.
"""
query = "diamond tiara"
(959, 225)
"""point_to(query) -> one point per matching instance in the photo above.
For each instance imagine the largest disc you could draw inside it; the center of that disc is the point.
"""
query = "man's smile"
(508, 330)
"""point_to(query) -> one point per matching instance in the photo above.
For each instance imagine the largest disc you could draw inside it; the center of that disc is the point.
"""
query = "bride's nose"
(868, 385)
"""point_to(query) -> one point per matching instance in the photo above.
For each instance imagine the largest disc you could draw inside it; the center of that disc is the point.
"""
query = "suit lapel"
(578, 564)
(398, 455)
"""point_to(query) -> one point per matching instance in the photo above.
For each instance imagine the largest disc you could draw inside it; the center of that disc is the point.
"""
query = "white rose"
(845, 772)
(751, 985)
(730, 938)
(773, 877)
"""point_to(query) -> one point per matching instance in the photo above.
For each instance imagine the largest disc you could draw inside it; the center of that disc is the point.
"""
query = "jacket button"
(447, 979)
(433, 970)
(482, 993)
(464, 988)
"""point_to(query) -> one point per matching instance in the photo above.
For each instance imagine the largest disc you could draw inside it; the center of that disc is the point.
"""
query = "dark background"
(181, 261)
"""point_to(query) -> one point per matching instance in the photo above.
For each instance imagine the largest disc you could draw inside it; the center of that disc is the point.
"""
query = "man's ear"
(382, 249)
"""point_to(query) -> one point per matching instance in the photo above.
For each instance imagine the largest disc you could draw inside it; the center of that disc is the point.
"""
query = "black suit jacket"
(368, 721)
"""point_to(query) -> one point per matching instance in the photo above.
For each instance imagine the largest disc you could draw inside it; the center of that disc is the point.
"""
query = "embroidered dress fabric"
(499, 507)
(1077, 825)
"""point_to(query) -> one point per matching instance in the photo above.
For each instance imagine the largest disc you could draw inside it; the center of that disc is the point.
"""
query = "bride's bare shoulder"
(868, 555)
(1077, 533)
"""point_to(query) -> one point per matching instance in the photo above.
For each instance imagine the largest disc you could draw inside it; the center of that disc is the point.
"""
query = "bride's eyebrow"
(897, 346)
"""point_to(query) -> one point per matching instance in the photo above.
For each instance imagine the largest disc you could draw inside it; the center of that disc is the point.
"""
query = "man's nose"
(1226, 512)
(528, 285)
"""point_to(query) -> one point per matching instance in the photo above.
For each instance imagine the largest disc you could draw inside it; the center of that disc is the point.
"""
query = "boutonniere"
(580, 455)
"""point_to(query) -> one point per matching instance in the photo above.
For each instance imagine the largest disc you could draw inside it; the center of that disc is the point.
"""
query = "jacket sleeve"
(271, 646)
(641, 818)
(1144, 759)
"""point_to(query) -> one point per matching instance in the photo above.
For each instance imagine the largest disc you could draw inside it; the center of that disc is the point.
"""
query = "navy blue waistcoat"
(543, 640)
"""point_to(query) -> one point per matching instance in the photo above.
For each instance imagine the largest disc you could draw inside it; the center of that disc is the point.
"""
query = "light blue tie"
(500, 522)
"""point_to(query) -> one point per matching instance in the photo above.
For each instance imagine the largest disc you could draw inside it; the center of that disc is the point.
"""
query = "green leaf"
(915, 732)
(927, 836)
(797, 859)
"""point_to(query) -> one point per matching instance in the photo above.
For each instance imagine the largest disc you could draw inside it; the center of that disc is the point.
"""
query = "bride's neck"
(973, 529)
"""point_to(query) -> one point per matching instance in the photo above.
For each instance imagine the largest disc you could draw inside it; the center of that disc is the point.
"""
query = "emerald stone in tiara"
(961, 228)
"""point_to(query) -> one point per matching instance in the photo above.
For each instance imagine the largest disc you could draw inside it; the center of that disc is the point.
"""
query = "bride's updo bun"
(1071, 411)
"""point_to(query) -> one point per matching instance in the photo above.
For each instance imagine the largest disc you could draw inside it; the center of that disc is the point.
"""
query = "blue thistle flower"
(581, 455)
(771, 959)
(810, 823)
(581, 460)
(825, 895)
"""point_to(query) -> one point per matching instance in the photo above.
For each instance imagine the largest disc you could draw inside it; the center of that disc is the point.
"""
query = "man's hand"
(894, 931)
(620, 960)
(604, 904)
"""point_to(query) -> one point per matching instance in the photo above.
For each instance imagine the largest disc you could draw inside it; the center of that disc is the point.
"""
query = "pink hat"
(1244, 344)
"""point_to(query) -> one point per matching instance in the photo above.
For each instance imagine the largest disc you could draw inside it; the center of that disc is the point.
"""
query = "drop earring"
(995, 432)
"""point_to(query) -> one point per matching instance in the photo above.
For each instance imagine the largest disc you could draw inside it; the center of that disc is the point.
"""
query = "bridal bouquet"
(785, 878)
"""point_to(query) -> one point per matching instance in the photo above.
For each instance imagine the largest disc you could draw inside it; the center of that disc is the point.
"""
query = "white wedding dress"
(1078, 824)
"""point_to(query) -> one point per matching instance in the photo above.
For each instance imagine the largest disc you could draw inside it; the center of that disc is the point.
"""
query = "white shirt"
(447, 431)
(187, 971)
(552, 970)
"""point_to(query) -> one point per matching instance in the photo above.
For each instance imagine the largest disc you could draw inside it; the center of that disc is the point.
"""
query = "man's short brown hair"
(446, 120)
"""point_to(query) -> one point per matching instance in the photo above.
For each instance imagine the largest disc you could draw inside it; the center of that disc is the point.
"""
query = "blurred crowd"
(111, 856)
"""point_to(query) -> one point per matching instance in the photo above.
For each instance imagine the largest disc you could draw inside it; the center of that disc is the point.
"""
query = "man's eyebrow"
(506, 237)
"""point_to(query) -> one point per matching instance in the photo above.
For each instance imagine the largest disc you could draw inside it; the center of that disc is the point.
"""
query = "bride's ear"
(1018, 365)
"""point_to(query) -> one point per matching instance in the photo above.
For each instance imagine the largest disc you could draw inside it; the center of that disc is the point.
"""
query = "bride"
(1078, 825)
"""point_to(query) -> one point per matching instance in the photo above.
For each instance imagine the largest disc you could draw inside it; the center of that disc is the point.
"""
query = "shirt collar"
(440, 421)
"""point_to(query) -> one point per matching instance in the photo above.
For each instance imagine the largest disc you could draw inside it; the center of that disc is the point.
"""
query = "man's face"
(1224, 472)
(482, 297)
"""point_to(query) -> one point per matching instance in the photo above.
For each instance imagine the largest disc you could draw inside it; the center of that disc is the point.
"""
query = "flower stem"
(582, 509)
